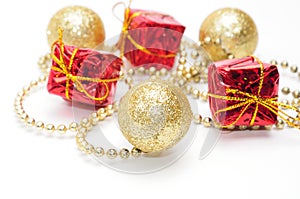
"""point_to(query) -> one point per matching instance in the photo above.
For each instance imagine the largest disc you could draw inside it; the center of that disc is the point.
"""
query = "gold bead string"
(32, 122)
(207, 41)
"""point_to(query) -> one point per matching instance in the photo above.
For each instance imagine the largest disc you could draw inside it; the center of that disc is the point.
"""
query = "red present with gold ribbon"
(150, 38)
(244, 92)
(83, 75)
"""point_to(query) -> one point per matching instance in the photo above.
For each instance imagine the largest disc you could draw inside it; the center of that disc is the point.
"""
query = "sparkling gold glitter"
(154, 115)
(82, 27)
(235, 30)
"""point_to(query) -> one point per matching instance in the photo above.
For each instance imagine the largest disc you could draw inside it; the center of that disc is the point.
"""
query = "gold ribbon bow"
(66, 70)
(125, 34)
(248, 99)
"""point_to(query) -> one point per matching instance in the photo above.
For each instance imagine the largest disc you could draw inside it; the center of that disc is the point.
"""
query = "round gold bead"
(23, 117)
(285, 90)
(243, 127)
(30, 122)
(86, 123)
(198, 44)
(279, 124)
(163, 72)
(18, 100)
(207, 40)
(130, 72)
(20, 112)
(33, 83)
(152, 70)
(255, 127)
(50, 128)
(83, 130)
(294, 69)
(39, 125)
(204, 95)
(295, 102)
(128, 80)
(88, 149)
(296, 94)
(194, 54)
(21, 94)
(274, 62)
(284, 102)
(207, 122)
(116, 106)
(196, 93)
(26, 89)
(42, 78)
(291, 122)
(180, 67)
(197, 118)
(217, 42)
(124, 153)
(183, 53)
(135, 152)
(188, 76)
(284, 64)
(42, 60)
(181, 83)
(73, 126)
(141, 70)
(182, 60)
(101, 114)
(94, 119)
(99, 151)
(109, 110)
(19, 108)
(61, 129)
(111, 153)
(299, 75)
(231, 127)
(268, 127)
(83, 142)
(179, 74)
(230, 56)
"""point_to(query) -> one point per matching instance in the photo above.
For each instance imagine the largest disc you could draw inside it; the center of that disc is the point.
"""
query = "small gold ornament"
(82, 27)
(154, 115)
(228, 33)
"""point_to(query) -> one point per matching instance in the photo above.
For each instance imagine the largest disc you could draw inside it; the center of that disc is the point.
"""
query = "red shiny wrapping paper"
(242, 74)
(159, 33)
(87, 63)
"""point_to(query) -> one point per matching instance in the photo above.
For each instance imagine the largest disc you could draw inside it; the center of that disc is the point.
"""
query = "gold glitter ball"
(228, 33)
(154, 115)
(82, 27)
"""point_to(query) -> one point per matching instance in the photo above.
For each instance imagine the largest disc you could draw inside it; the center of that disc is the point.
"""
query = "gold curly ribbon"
(125, 34)
(248, 99)
(66, 70)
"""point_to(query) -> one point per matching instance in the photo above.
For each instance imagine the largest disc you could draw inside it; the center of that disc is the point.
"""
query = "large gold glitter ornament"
(82, 27)
(227, 33)
(154, 115)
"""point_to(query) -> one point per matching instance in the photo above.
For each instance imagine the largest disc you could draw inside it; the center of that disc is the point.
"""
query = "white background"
(243, 165)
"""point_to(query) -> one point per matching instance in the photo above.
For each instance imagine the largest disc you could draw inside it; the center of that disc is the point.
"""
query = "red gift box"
(83, 75)
(150, 38)
(243, 92)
